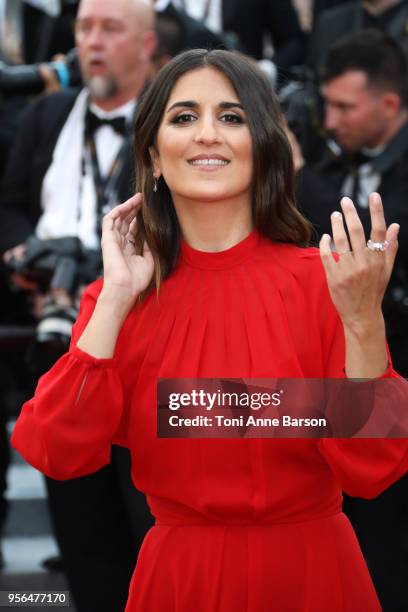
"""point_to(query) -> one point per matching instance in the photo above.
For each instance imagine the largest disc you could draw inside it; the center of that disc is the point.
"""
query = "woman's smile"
(208, 163)
(205, 127)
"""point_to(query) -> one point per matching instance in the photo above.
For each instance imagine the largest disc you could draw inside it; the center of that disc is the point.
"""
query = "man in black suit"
(363, 85)
(367, 117)
(389, 16)
(243, 25)
(115, 76)
(278, 19)
(71, 162)
(194, 34)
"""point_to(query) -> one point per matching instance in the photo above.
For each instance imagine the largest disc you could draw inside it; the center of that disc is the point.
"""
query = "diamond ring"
(378, 246)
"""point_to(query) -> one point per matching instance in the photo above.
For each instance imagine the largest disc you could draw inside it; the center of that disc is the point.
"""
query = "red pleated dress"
(242, 525)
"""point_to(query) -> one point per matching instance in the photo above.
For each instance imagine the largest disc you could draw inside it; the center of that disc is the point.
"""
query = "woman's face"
(204, 146)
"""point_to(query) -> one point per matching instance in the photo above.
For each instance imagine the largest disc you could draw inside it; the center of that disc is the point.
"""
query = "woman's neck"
(211, 226)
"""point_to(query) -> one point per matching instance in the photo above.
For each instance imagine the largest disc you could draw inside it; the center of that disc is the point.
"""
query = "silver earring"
(155, 184)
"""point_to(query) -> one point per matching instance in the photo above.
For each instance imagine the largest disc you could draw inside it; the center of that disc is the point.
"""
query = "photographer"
(364, 86)
(366, 117)
(71, 162)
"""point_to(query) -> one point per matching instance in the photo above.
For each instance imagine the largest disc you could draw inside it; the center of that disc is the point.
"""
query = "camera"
(63, 264)
(26, 80)
(303, 108)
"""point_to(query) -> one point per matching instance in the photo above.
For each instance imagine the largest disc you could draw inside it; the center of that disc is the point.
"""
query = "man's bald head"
(115, 39)
(140, 10)
(144, 10)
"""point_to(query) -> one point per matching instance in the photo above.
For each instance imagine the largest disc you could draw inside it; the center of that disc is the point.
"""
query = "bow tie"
(359, 159)
(93, 122)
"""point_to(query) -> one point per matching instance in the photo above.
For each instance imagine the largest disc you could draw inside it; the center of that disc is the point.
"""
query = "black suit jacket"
(194, 33)
(244, 24)
(319, 193)
(319, 189)
(30, 158)
(334, 23)
(251, 20)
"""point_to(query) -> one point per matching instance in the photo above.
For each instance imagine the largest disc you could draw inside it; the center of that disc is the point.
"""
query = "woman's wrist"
(100, 335)
(373, 327)
(116, 300)
(366, 348)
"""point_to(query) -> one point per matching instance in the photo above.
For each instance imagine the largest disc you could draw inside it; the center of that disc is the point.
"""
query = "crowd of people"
(66, 134)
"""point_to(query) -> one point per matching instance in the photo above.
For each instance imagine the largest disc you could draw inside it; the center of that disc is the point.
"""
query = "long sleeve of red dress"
(366, 467)
(67, 428)
(242, 525)
(362, 467)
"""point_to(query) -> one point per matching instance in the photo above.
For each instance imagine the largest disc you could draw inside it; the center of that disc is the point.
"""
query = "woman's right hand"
(126, 274)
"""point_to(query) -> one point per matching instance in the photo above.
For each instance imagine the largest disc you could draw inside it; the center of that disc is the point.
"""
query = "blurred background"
(339, 70)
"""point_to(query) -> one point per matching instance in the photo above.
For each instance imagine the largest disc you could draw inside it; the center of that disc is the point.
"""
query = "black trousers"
(100, 521)
(381, 525)
(4, 463)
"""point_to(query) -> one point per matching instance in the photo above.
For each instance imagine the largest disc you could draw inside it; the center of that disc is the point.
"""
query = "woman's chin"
(209, 198)
(211, 194)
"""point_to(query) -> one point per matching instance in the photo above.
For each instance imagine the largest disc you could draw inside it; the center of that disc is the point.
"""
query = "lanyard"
(105, 187)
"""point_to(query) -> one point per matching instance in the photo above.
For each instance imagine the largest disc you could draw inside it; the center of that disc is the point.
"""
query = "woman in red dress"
(207, 275)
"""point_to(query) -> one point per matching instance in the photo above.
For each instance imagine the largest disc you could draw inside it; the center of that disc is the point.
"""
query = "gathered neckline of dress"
(220, 260)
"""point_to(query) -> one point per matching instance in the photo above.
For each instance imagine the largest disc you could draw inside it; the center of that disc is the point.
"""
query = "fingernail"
(336, 214)
(376, 197)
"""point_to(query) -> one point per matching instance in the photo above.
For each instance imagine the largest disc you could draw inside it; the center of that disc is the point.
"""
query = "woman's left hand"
(358, 280)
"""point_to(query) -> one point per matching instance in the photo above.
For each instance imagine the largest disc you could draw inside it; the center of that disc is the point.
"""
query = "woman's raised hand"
(358, 280)
(126, 273)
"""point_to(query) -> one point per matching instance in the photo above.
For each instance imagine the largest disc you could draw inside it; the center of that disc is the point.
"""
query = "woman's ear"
(154, 156)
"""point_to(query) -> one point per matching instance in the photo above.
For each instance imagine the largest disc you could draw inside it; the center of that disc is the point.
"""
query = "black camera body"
(26, 80)
(303, 108)
(57, 263)
(60, 263)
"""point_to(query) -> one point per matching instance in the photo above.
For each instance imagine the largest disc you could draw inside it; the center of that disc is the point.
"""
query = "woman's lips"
(208, 163)
(208, 167)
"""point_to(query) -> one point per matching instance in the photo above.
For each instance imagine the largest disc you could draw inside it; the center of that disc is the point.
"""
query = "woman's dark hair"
(274, 211)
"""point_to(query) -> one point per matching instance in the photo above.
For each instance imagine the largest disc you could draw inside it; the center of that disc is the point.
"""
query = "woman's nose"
(207, 132)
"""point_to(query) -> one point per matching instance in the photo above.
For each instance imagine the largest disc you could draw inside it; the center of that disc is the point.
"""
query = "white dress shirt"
(107, 141)
(368, 179)
(68, 196)
(197, 9)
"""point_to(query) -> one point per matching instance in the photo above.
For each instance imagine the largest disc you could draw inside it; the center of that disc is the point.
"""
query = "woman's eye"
(184, 118)
(231, 118)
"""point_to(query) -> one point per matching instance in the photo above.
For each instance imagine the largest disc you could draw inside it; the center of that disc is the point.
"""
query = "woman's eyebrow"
(231, 105)
(192, 104)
